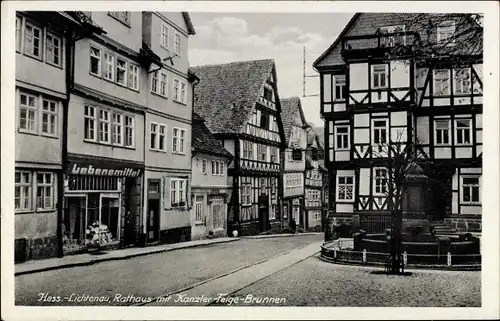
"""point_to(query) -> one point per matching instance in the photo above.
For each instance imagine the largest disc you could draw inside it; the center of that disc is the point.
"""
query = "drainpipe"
(69, 67)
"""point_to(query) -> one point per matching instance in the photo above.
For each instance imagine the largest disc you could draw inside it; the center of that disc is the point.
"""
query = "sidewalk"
(89, 259)
(280, 235)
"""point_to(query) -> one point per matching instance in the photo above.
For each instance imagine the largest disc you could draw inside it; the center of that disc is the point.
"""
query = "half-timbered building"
(240, 104)
(372, 95)
(314, 185)
(294, 162)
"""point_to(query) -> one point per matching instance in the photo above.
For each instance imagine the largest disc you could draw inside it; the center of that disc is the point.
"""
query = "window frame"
(435, 80)
(456, 73)
(109, 66)
(337, 134)
(40, 40)
(59, 49)
(119, 16)
(179, 141)
(345, 185)
(197, 202)
(122, 69)
(19, 33)
(463, 130)
(134, 72)
(470, 187)
(44, 185)
(22, 197)
(28, 108)
(99, 61)
(441, 130)
(381, 178)
(177, 44)
(380, 128)
(378, 73)
(117, 124)
(94, 121)
(340, 81)
(204, 165)
(180, 193)
(130, 128)
(107, 123)
(49, 113)
(442, 29)
(164, 37)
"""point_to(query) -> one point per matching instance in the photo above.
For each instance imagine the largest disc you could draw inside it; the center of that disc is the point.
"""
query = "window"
(247, 150)
(462, 81)
(262, 152)
(342, 134)
(380, 178)
(103, 126)
(122, 16)
(129, 131)
(44, 191)
(340, 83)
(95, 61)
(215, 168)
(22, 193)
(463, 131)
(121, 72)
(176, 90)
(49, 117)
(470, 190)
(109, 66)
(178, 140)
(198, 205)
(345, 188)
(177, 49)
(442, 132)
(274, 155)
(32, 41)
(379, 132)
(441, 82)
(183, 92)
(264, 121)
(161, 137)
(246, 194)
(379, 76)
(53, 47)
(164, 36)
(133, 77)
(27, 112)
(268, 94)
(391, 41)
(117, 129)
(153, 136)
(163, 84)
(153, 186)
(285, 211)
(204, 166)
(154, 82)
(90, 123)
(19, 24)
(445, 32)
(178, 188)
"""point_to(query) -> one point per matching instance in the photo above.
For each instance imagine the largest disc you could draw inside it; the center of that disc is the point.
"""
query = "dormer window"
(445, 32)
(389, 41)
(268, 94)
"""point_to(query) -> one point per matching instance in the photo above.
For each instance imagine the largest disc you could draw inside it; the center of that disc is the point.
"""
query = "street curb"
(105, 259)
(279, 235)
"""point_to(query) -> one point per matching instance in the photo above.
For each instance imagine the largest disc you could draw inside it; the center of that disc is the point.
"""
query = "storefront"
(101, 205)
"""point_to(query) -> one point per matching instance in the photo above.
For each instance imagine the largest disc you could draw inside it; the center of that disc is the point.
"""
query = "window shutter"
(166, 192)
(188, 193)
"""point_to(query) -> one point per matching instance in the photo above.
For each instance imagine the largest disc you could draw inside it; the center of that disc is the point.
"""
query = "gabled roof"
(314, 137)
(289, 109)
(226, 94)
(368, 24)
(203, 141)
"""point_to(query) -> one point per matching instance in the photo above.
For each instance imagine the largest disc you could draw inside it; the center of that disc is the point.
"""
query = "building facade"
(315, 189)
(168, 90)
(241, 106)
(293, 162)
(373, 96)
(210, 187)
(43, 51)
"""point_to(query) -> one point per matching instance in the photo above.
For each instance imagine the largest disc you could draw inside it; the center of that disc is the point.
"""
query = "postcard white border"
(491, 210)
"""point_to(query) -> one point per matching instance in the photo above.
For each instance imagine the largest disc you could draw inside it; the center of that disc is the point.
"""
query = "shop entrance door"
(153, 219)
(74, 225)
(110, 211)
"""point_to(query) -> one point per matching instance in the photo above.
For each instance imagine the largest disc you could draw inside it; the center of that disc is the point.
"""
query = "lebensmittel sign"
(77, 169)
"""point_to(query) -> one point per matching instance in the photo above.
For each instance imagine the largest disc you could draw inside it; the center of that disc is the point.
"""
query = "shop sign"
(98, 171)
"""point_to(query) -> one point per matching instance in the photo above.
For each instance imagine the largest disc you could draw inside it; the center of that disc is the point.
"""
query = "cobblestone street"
(316, 283)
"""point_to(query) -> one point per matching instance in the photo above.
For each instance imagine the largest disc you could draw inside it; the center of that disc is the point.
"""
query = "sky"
(228, 37)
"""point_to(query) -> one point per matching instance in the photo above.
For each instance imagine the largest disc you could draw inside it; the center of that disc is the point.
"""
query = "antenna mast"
(304, 74)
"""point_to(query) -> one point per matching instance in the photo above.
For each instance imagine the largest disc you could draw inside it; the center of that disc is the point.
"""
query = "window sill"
(345, 201)
(28, 132)
(33, 57)
(342, 149)
(179, 153)
(44, 210)
(462, 203)
(159, 95)
(179, 102)
(157, 150)
(27, 211)
(199, 223)
(165, 47)
(442, 145)
(464, 145)
(90, 141)
(54, 65)
(50, 136)
(115, 82)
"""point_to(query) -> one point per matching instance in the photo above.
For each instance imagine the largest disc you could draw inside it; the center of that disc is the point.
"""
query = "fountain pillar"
(414, 201)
